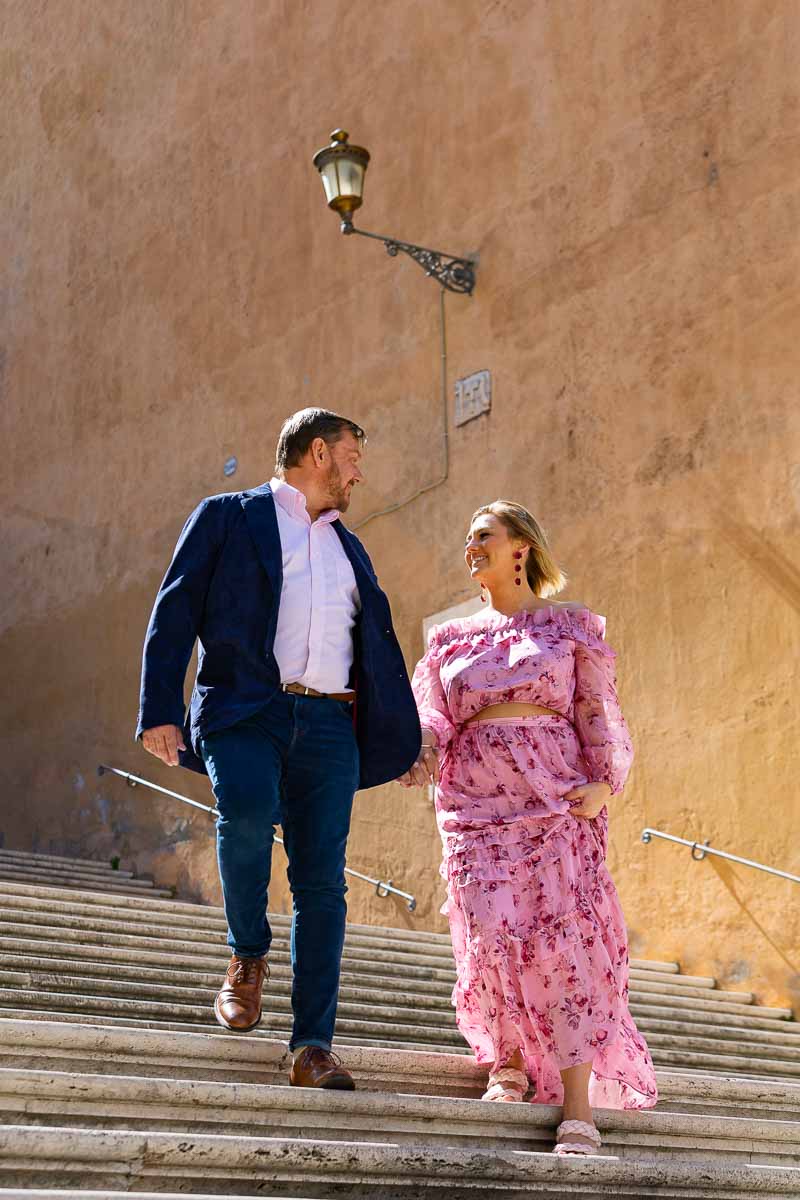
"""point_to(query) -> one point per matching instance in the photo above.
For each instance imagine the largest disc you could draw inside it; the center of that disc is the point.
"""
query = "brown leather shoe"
(315, 1067)
(238, 1004)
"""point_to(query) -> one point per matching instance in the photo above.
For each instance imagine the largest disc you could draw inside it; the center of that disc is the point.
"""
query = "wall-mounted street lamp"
(342, 168)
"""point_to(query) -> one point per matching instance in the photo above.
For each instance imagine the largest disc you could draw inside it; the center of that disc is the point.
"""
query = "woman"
(518, 705)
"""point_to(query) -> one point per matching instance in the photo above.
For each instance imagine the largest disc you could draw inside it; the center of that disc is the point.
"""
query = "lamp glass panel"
(330, 181)
(351, 177)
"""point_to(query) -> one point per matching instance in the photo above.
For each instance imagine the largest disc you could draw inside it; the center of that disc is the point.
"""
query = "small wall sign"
(473, 396)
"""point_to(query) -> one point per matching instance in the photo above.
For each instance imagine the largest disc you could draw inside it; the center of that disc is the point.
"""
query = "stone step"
(373, 936)
(755, 1068)
(165, 999)
(131, 962)
(712, 1041)
(214, 1054)
(41, 970)
(688, 1052)
(280, 1029)
(168, 1001)
(358, 1024)
(370, 934)
(17, 859)
(43, 863)
(388, 1006)
(14, 915)
(76, 1158)
(172, 908)
(62, 1194)
(133, 888)
(209, 967)
(733, 1059)
(43, 923)
(215, 912)
(161, 950)
(79, 883)
(111, 884)
(43, 856)
(400, 1026)
(205, 921)
(723, 1095)
(739, 1061)
(682, 1031)
(33, 971)
(58, 927)
(664, 985)
(641, 970)
(126, 962)
(708, 1012)
(95, 1101)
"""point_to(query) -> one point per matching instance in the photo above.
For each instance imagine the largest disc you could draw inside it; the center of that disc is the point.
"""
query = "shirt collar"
(293, 502)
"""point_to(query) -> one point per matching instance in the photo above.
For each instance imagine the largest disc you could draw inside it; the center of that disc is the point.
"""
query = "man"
(301, 697)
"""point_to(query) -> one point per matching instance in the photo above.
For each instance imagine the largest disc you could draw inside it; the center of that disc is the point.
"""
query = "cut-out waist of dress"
(485, 717)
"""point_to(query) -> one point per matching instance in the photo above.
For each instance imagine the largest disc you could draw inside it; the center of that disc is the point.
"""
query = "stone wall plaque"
(473, 396)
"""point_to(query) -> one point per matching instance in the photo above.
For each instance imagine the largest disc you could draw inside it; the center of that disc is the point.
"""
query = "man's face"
(344, 471)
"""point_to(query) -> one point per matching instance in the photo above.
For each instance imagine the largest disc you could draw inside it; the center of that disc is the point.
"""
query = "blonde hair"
(545, 577)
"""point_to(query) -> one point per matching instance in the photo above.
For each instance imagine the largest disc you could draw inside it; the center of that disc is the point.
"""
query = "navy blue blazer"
(223, 588)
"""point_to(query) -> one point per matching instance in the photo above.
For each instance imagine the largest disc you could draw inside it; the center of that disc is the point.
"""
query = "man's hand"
(589, 799)
(426, 769)
(164, 741)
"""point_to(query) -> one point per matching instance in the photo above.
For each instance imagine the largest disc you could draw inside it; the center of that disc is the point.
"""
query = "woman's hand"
(589, 799)
(426, 769)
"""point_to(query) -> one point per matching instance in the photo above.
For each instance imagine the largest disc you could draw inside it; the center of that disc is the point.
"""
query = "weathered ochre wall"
(173, 287)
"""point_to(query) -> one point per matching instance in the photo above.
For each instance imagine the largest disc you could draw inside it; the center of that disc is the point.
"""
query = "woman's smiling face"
(488, 551)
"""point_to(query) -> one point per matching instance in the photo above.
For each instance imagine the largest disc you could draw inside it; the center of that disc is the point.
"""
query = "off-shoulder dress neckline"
(579, 622)
(530, 612)
(490, 616)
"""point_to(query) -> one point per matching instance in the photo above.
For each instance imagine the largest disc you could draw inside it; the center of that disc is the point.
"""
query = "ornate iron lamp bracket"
(454, 274)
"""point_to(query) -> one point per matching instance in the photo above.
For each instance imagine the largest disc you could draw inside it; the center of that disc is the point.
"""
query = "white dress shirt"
(319, 597)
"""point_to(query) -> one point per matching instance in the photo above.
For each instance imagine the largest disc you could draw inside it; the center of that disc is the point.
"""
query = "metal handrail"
(382, 888)
(701, 849)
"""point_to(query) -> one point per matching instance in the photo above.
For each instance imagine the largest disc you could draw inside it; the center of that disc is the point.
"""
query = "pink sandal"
(590, 1132)
(507, 1085)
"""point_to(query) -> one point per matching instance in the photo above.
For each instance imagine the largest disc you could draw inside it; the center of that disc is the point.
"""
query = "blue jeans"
(295, 762)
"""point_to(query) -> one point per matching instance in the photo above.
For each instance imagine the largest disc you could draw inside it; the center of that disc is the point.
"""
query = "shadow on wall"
(784, 577)
(741, 892)
(771, 563)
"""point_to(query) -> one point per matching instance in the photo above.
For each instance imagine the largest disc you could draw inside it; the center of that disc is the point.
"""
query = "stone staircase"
(114, 1077)
(85, 873)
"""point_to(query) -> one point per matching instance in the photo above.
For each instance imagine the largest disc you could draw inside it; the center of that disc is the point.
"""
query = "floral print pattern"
(538, 933)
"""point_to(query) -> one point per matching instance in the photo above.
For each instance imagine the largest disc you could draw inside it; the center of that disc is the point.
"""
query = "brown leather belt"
(297, 689)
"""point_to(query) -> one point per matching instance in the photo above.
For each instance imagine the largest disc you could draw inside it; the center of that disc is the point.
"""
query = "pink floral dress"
(538, 933)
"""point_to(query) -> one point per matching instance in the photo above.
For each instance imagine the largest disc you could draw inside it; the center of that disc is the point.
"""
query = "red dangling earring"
(483, 597)
(518, 568)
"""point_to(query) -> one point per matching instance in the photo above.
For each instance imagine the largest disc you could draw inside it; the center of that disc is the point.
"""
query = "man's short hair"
(300, 430)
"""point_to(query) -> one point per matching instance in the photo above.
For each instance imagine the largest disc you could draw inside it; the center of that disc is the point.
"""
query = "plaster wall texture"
(173, 287)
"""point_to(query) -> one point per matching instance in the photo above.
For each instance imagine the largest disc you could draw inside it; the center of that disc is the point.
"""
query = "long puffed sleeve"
(597, 716)
(429, 693)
